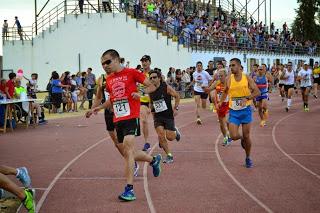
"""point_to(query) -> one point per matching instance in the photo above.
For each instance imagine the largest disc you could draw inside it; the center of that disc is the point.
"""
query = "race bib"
(238, 103)
(160, 105)
(198, 83)
(121, 108)
(316, 75)
(219, 94)
(106, 95)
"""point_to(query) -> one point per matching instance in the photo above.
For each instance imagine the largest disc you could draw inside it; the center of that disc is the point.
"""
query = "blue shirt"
(56, 88)
(18, 24)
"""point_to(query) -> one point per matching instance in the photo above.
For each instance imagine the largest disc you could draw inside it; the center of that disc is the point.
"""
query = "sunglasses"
(153, 77)
(107, 62)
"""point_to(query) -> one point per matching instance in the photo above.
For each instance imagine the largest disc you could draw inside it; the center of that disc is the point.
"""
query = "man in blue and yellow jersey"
(238, 88)
(145, 101)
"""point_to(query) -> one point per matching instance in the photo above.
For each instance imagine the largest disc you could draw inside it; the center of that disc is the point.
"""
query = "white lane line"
(145, 172)
(190, 151)
(306, 154)
(286, 154)
(96, 178)
(260, 203)
(53, 182)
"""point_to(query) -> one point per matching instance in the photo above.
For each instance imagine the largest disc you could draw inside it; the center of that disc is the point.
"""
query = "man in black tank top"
(102, 96)
(163, 112)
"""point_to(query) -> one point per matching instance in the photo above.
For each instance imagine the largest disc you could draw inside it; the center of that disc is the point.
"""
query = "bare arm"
(253, 87)
(149, 87)
(174, 94)
(225, 91)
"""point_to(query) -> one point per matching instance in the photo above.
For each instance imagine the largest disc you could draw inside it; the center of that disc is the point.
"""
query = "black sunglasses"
(154, 77)
(107, 62)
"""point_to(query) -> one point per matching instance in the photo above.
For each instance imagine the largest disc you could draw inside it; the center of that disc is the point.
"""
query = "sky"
(282, 11)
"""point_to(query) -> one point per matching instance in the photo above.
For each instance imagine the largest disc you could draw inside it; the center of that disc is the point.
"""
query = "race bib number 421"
(121, 108)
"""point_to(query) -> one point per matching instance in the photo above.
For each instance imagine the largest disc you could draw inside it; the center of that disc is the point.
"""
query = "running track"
(75, 167)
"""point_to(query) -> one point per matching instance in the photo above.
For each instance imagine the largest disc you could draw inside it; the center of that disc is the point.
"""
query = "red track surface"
(74, 170)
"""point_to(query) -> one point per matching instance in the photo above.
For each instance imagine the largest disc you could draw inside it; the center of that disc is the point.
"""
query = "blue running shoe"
(136, 169)
(23, 177)
(1, 193)
(127, 195)
(169, 159)
(249, 163)
(157, 165)
(229, 140)
(146, 147)
(178, 134)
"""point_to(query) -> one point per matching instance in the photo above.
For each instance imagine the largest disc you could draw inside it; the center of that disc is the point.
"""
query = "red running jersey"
(120, 86)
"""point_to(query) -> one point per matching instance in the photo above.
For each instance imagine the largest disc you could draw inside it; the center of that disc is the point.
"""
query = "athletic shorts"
(167, 123)
(316, 81)
(203, 95)
(287, 87)
(304, 88)
(127, 127)
(108, 118)
(281, 85)
(261, 97)
(243, 116)
(144, 104)
(223, 110)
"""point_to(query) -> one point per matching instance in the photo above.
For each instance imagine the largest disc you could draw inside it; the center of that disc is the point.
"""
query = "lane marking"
(307, 154)
(190, 151)
(96, 178)
(54, 181)
(260, 203)
(145, 171)
(286, 154)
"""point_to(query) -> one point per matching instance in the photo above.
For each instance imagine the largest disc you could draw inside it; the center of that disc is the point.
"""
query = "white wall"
(91, 34)
(90, 37)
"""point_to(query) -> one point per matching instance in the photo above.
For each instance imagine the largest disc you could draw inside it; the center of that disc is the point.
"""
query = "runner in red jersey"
(222, 111)
(125, 101)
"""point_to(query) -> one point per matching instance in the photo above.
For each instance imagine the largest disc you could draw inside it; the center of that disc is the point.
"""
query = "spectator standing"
(81, 2)
(91, 81)
(107, 4)
(5, 30)
(19, 28)
(10, 85)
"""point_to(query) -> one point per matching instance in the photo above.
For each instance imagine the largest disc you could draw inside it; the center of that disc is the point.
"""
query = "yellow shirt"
(238, 91)
(316, 72)
(144, 98)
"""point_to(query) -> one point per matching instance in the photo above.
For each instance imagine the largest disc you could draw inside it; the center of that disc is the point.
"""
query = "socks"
(129, 186)
(289, 101)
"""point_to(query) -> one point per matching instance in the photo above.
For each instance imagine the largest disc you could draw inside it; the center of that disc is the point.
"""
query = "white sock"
(289, 103)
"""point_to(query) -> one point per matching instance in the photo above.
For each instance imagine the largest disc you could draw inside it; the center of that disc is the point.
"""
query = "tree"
(304, 26)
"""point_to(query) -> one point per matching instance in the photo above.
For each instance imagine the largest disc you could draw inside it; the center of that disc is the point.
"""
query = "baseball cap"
(145, 57)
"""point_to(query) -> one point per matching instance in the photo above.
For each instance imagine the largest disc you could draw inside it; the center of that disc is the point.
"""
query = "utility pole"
(270, 16)
(36, 16)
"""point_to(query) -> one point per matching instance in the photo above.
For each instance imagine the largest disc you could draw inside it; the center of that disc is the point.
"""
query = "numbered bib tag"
(219, 94)
(238, 103)
(121, 108)
(316, 75)
(198, 83)
(160, 105)
(106, 95)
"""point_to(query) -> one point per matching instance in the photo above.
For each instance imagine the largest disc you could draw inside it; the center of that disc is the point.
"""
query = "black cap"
(145, 57)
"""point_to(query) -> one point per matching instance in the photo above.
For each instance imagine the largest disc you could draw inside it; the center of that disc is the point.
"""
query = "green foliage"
(306, 25)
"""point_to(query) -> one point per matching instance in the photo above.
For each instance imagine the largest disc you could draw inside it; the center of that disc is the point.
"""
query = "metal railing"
(183, 37)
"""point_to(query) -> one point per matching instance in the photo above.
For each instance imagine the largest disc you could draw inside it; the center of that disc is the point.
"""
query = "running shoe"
(178, 134)
(229, 140)
(127, 195)
(225, 141)
(249, 163)
(156, 165)
(306, 109)
(262, 123)
(23, 177)
(29, 201)
(1, 193)
(136, 169)
(169, 159)
(316, 97)
(199, 122)
(211, 107)
(287, 109)
(146, 147)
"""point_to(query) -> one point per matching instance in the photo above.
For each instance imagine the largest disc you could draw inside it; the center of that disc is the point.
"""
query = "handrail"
(188, 39)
